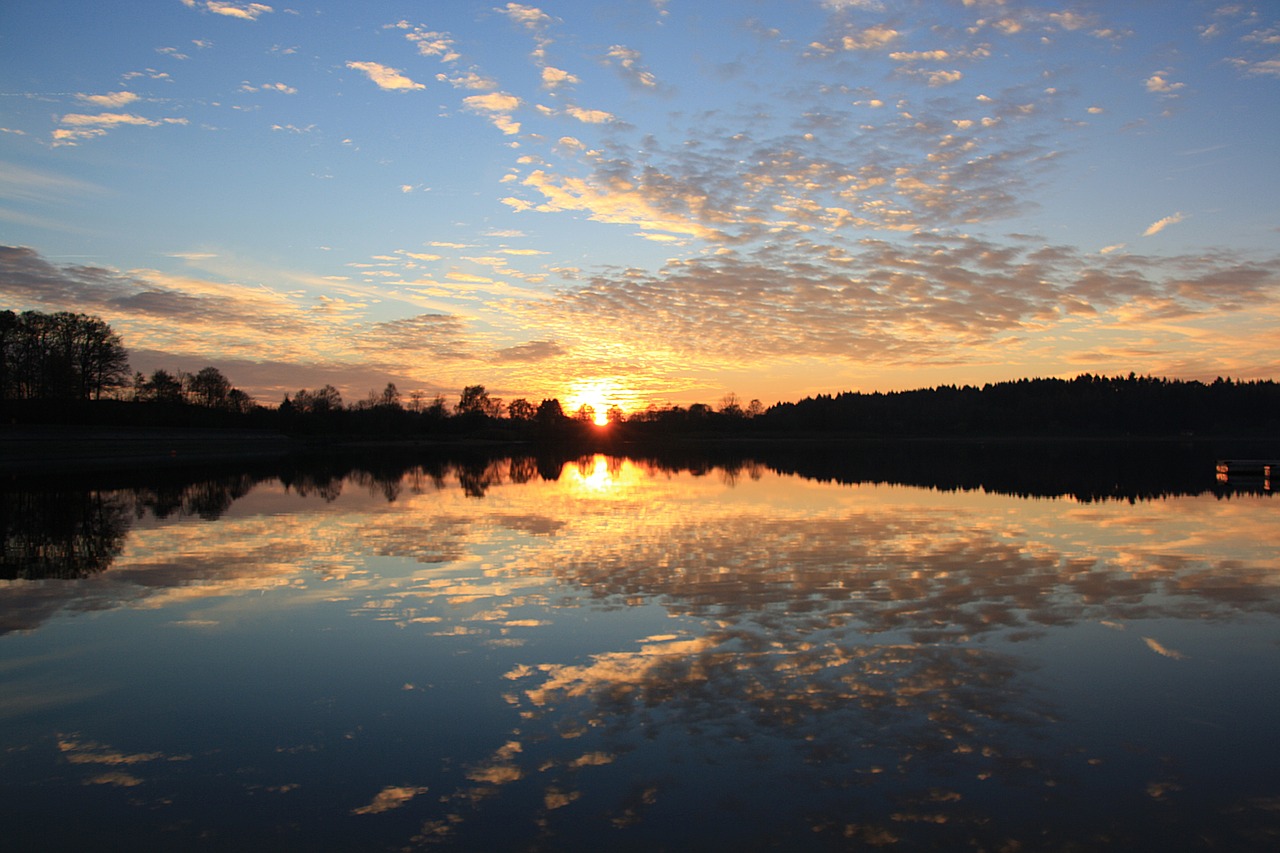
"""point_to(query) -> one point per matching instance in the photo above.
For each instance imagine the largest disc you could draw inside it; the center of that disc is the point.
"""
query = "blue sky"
(648, 201)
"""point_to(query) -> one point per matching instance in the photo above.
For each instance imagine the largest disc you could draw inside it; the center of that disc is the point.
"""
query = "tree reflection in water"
(61, 534)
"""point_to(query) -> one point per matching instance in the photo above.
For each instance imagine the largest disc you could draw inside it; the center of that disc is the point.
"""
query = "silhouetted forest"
(72, 369)
(1087, 405)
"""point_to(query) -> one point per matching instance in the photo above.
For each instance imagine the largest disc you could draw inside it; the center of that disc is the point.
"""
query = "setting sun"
(600, 396)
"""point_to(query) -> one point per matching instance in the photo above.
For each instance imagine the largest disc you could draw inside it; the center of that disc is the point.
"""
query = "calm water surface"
(612, 654)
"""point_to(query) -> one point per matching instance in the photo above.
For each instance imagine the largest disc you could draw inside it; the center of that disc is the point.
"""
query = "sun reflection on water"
(596, 476)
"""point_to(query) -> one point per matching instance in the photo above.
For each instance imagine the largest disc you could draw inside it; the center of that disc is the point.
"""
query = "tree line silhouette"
(72, 368)
(1088, 405)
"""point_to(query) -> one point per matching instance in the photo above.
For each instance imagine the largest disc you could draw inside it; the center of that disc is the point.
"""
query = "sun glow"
(599, 396)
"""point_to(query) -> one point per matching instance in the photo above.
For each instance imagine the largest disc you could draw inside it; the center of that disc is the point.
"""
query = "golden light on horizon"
(600, 395)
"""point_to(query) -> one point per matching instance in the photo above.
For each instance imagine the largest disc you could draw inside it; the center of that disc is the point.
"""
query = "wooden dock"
(1249, 473)
(1255, 467)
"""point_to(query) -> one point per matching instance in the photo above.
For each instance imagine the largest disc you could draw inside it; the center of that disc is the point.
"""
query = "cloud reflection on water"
(867, 636)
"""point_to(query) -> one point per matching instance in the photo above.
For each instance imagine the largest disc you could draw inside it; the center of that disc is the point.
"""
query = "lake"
(817, 648)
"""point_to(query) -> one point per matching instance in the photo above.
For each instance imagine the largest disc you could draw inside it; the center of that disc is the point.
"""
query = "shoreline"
(27, 448)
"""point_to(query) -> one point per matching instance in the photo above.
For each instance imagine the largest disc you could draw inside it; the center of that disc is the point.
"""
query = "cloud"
(775, 163)
(910, 171)
(150, 74)
(437, 335)
(555, 77)
(108, 119)
(532, 351)
(628, 62)
(27, 278)
(243, 11)
(1160, 84)
(589, 116)
(936, 78)
(1069, 20)
(619, 201)
(269, 87)
(83, 126)
(519, 205)
(288, 334)
(1161, 224)
(872, 38)
(506, 124)
(1160, 649)
(469, 278)
(1257, 68)
(494, 102)
(432, 43)
(919, 56)
(535, 21)
(153, 299)
(19, 183)
(181, 314)
(933, 300)
(114, 100)
(385, 77)
(844, 5)
(527, 16)
(390, 797)
(468, 80)
(497, 105)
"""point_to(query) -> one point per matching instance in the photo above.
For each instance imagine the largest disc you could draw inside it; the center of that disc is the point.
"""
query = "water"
(509, 654)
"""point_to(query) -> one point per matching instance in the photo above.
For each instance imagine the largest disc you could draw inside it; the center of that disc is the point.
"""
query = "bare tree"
(322, 400)
(104, 362)
(390, 396)
(59, 356)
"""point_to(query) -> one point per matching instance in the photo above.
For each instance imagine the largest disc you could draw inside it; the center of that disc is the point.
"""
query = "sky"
(648, 201)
